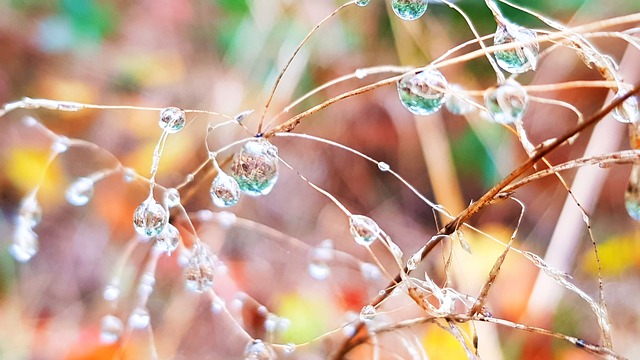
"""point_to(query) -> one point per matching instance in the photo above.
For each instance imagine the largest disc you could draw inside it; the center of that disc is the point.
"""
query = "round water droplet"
(457, 103)
(632, 194)
(128, 174)
(111, 328)
(361, 73)
(25, 242)
(383, 166)
(225, 190)
(111, 292)
(139, 318)
(363, 229)
(150, 218)
(217, 305)
(627, 112)
(171, 197)
(80, 191)
(255, 167)
(168, 240)
(258, 350)
(506, 103)
(363, 2)
(409, 9)
(367, 313)
(423, 93)
(30, 212)
(60, 144)
(199, 270)
(172, 120)
(370, 271)
(520, 59)
(320, 258)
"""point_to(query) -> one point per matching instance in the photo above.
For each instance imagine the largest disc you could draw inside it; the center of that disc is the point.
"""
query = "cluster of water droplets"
(522, 57)
(409, 9)
(507, 102)
(423, 93)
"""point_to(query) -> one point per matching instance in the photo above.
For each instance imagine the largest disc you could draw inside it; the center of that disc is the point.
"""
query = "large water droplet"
(150, 218)
(522, 58)
(409, 9)
(506, 103)
(111, 329)
(171, 197)
(632, 194)
(168, 240)
(225, 190)
(199, 271)
(255, 167)
(139, 318)
(457, 103)
(423, 93)
(320, 257)
(627, 112)
(367, 313)
(172, 120)
(363, 229)
(25, 242)
(30, 212)
(258, 350)
(80, 191)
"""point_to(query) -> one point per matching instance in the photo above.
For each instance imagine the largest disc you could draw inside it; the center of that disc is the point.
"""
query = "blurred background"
(224, 56)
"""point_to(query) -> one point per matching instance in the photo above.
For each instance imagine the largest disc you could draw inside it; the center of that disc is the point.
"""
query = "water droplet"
(349, 330)
(30, 212)
(111, 292)
(217, 305)
(289, 348)
(363, 229)
(320, 257)
(168, 240)
(258, 350)
(111, 329)
(363, 2)
(367, 313)
(171, 197)
(632, 194)
(409, 9)
(145, 287)
(627, 112)
(225, 190)
(383, 166)
(255, 167)
(172, 120)
(423, 93)
(457, 103)
(199, 271)
(60, 144)
(361, 73)
(507, 102)
(150, 218)
(80, 191)
(128, 174)
(370, 271)
(520, 59)
(25, 242)
(139, 318)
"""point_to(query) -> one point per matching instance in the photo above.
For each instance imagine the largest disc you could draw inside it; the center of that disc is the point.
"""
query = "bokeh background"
(224, 56)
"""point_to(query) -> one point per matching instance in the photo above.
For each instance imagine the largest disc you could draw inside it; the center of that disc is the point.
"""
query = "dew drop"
(627, 112)
(60, 144)
(111, 292)
(383, 166)
(320, 258)
(199, 270)
(128, 174)
(457, 103)
(370, 271)
(80, 192)
(145, 287)
(522, 58)
(30, 212)
(423, 93)
(150, 218)
(168, 240)
(363, 229)
(349, 330)
(217, 305)
(171, 197)
(507, 102)
(255, 167)
(361, 73)
(258, 350)
(632, 194)
(363, 2)
(139, 318)
(172, 120)
(111, 328)
(25, 242)
(409, 9)
(367, 313)
(225, 190)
